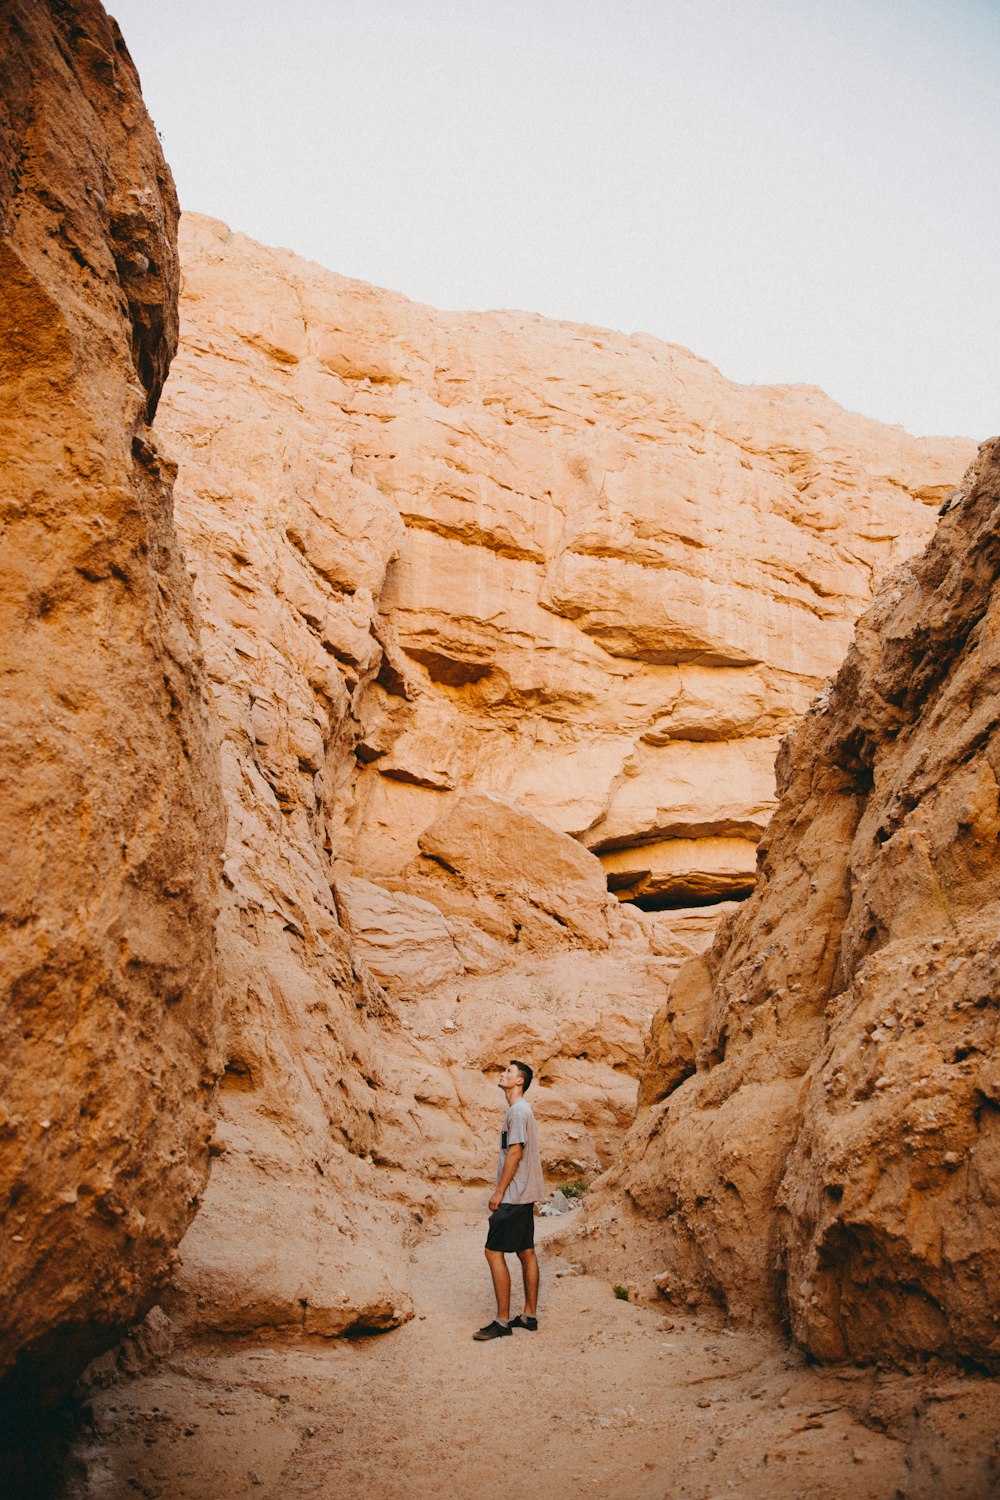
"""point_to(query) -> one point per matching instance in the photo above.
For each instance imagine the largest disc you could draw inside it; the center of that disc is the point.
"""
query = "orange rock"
(833, 1158)
(111, 819)
(579, 571)
(487, 601)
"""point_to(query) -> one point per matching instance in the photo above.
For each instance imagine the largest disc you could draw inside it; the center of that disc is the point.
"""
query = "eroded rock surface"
(498, 613)
(111, 821)
(606, 579)
(835, 1157)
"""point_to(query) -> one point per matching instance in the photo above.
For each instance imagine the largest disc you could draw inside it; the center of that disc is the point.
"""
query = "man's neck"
(512, 1094)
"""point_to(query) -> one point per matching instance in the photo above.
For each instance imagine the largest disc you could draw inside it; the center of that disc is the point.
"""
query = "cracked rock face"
(575, 570)
(501, 619)
(111, 821)
(822, 1131)
(497, 613)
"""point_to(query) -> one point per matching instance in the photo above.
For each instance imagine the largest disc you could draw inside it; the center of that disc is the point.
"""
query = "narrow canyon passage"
(390, 692)
(608, 1399)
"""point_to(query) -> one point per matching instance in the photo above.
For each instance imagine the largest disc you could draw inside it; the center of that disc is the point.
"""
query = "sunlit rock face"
(503, 620)
(111, 819)
(332, 1070)
(605, 579)
(622, 580)
(821, 1130)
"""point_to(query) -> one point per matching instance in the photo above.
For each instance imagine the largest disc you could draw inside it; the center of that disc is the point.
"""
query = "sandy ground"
(607, 1399)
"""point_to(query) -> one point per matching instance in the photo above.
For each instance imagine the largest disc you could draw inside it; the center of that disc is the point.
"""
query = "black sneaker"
(492, 1330)
(522, 1321)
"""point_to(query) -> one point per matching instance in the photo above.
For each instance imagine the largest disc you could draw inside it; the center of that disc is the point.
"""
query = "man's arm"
(510, 1165)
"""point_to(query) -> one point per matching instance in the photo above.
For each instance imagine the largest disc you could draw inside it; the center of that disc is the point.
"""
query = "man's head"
(514, 1080)
(526, 1074)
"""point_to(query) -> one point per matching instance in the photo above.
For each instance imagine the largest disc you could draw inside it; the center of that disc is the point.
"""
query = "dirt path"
(606, 1400)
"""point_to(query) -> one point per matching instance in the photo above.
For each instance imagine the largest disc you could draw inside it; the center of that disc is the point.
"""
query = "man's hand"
(495, 1202)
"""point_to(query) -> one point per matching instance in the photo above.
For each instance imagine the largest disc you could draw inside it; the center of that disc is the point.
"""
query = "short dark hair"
(526, 1073)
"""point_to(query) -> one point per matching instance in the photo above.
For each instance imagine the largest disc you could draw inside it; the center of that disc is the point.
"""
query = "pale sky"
(797, 190)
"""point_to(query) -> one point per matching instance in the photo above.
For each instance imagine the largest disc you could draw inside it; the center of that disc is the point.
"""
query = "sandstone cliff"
(502, 620)
(606, 580)
(110, 826)
(497, 613)
(821, 1119)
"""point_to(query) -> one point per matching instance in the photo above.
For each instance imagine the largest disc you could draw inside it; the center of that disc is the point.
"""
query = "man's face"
(510, 1077)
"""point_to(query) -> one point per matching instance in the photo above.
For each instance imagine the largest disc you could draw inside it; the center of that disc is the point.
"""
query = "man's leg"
(529, 1275)
(501, 1282)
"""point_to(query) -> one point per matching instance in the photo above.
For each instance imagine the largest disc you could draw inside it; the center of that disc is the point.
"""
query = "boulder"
(516, 875)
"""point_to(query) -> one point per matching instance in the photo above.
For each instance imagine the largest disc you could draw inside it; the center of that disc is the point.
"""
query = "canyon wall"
(820, 1130)
(498, 613)
(501, 623)
(111, 820)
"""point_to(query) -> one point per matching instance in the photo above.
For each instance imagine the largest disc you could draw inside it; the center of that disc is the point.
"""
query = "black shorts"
(512, 1228)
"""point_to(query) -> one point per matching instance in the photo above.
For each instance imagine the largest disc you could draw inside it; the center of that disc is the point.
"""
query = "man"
(512, 1206)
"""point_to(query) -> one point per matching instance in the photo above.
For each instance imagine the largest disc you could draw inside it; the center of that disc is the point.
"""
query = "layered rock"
(821, 1126)
(289, 552)
(324, 1077)
(463, 630)
(111, 822)
(619, 579)
(502, 621)
(623, 579)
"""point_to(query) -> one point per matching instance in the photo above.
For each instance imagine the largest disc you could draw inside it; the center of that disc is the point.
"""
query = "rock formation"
(498, 613)
(612, 579)
(821, 1121)
(502, 621)
(111, 822)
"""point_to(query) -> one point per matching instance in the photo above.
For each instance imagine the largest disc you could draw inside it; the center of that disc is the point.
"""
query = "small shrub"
(621, 1292)
(575, 1189)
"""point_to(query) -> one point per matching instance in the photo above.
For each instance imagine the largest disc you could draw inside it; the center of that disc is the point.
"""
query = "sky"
(797, 190)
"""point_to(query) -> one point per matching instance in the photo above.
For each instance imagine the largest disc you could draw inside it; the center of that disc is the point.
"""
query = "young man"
(512, 1206)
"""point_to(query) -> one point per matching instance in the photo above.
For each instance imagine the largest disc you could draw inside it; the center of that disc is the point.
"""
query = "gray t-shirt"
(519, 1129)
